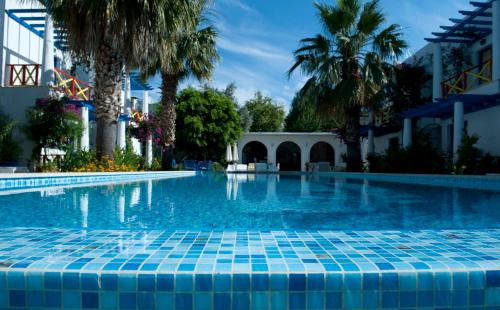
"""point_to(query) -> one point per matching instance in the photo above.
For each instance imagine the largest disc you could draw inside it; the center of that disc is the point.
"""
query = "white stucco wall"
(484, 123)
(304, 140)
(19, 44)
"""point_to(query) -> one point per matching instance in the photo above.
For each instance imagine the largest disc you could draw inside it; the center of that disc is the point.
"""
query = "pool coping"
(488, 182)
(38, 180)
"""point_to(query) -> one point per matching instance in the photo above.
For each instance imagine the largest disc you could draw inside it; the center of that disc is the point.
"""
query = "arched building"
(292, 150)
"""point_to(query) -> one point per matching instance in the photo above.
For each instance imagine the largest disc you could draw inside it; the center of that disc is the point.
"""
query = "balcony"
(23, 75)
(468, 79)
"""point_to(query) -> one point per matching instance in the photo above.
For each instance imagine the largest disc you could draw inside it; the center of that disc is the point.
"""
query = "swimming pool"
(216, 242)
(263, 202)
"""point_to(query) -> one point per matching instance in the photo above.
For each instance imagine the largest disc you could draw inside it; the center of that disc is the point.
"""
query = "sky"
(257, 38)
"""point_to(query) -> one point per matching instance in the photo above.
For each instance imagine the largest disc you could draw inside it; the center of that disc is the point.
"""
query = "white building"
(292, 151)
(35, 61)
(469, 100)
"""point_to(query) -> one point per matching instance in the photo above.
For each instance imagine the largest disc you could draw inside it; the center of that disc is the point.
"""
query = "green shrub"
(468, 155)
(217, 167)
(419, 157)
(9, 149)
(53, 124)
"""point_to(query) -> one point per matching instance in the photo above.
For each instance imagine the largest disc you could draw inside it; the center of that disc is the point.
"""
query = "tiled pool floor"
(56, 268)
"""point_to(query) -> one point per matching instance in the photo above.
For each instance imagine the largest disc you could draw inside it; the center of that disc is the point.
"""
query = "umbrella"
(235, 153)
(229, 155)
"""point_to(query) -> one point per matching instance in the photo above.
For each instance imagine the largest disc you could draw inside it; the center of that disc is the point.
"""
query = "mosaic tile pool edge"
(460, 181)
(131, 271)
(423, 290)
(55, 180)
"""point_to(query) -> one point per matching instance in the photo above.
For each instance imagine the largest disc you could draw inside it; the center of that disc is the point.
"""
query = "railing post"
(37, 69)
(23, 71)
(11, 75)
(72, 87)
(466, 76)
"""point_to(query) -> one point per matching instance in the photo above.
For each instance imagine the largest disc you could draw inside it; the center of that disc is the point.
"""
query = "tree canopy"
(266, 116)
(207, 120)
(304, 117)
(348, 63)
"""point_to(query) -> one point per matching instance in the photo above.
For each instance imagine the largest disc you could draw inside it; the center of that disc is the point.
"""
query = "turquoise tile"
(203, 301)
(71, 299)
(109, 300)
(279, 300)
(260, 300)
(165, 301)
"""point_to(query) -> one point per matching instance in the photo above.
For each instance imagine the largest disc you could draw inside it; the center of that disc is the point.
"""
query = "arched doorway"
(322, 152)
(288, 156)
(254, 151)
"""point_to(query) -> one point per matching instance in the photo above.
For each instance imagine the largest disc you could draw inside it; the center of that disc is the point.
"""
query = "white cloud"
(255, 49)
(240, 5)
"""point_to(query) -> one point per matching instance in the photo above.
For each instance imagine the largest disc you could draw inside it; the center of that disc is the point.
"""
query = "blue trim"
(15, 11)
(35, 28)
(462, 32)
(11, 14)
(443, 108)
(124, 118)
(32, 18)
(472, 22)
(83, 103)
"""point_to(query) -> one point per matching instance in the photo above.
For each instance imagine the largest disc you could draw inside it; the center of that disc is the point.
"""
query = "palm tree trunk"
(352, 137)
(108, 76)
(169, 85)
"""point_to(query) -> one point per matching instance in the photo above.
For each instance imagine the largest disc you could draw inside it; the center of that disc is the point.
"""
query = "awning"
(474, 26)
(443, 108)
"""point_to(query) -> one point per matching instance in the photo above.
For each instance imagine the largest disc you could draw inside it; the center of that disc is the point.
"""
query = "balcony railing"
(24, 75)
(71, 86)
(29, 75)
(469, 79)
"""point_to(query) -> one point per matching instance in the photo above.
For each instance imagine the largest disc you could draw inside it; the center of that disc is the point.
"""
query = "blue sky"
(257, 37)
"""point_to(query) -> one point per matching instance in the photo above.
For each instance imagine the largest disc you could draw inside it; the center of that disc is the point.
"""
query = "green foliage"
(404, 91)
(218, 167)
(266, 115)
(87, 161)
(76, 160)
(419, 157)
(9, 149)
(348, 64)
(207, 121)
(304, 117)
(468, 155)
(245, 119)
(53, 124)
(128, 158)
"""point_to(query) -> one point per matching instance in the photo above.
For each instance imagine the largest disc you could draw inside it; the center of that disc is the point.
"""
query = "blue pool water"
(253, 202)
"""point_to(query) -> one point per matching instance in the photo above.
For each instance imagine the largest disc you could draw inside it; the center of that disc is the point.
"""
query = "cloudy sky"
(257, 37)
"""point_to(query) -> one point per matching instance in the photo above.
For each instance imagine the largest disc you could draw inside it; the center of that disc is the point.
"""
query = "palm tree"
(189, 52)
(115, 34)
(348, 64)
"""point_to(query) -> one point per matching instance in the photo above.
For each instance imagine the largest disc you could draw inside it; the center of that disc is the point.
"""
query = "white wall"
(486, 124)
(304, 140)
(20, 45)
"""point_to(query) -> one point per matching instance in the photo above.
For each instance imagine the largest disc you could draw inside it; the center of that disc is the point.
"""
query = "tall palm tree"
(188, 52)
(115, 34)
(348, 63)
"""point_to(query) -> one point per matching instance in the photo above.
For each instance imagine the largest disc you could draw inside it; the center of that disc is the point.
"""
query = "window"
(485, 64)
